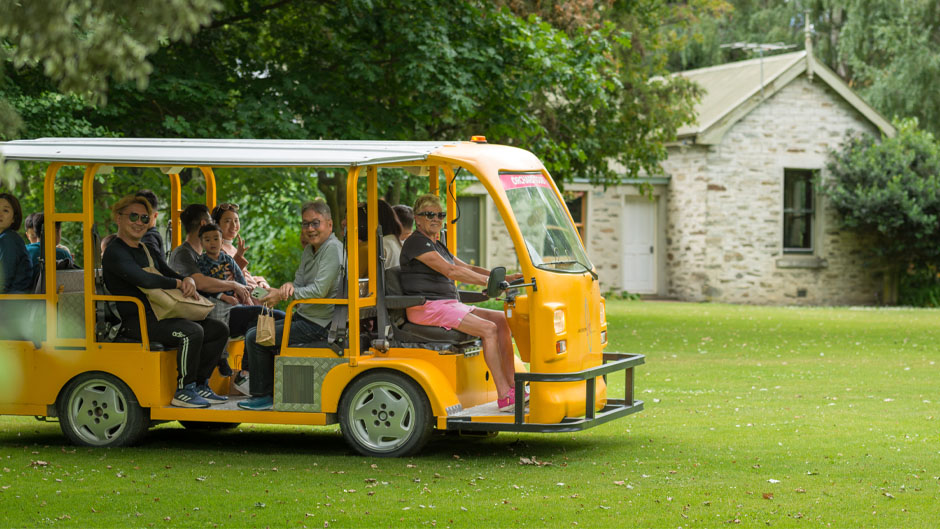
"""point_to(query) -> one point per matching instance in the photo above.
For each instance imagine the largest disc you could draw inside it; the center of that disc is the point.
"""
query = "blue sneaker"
(188, 398)
(257, 403)
(204, 391)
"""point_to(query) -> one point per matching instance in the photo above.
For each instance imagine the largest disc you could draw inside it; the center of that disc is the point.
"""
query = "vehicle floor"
(487, 409)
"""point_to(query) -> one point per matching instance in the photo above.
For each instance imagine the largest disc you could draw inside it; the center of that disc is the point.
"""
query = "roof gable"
(732, 90)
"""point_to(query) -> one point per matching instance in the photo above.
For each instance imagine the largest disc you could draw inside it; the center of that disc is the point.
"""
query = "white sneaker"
(240, 383)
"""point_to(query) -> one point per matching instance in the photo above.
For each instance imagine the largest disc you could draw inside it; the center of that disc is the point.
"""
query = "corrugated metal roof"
(734, 89)
(729, 85)
(219, 153)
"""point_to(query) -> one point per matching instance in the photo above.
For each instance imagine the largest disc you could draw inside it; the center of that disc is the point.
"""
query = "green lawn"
(754, 416)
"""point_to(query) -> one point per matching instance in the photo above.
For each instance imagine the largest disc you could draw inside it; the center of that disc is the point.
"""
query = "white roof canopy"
(218, 153)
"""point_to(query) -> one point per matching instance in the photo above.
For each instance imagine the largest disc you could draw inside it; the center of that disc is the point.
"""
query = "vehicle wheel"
(385, 414)
(98, 409)
(209, 426)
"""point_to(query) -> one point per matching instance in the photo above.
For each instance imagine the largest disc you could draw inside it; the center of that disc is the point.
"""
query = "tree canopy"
(580, 83)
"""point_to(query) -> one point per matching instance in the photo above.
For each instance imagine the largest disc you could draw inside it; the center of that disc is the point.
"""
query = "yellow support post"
(176, 206)
(373, 214)
(88, 215)
(210, 186)
(352, 266)
(451, 205)
(433, 180)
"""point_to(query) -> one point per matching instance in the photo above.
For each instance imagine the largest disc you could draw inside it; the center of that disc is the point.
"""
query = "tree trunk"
(333, 187)
(889, 287)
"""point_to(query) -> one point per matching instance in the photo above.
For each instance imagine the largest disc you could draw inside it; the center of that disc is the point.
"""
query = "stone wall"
(725, 209)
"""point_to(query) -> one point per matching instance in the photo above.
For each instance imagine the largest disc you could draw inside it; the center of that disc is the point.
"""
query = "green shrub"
(920, 288)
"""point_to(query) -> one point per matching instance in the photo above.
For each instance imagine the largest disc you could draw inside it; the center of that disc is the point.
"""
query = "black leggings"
(198, 344)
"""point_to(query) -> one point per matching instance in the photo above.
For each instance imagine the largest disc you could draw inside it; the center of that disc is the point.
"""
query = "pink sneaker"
(512, 391)
(508, 403)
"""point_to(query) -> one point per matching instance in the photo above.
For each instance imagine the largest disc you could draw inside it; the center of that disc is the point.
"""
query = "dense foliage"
(573, 87)
(890, 188)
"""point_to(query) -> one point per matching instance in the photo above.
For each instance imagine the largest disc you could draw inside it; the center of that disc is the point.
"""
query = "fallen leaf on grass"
(532, 461)
(201, 478)
(768, 495)
(39, 463)
(800, 491)
(773, 480)
(888, 495)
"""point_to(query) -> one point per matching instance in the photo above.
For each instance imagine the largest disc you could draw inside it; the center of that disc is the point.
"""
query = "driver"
(428, 269)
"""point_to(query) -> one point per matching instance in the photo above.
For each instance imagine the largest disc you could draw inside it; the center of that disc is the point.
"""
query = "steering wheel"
(495, 282)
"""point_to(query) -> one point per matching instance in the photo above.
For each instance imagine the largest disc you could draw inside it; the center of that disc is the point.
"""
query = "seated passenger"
(428, 269)
(317, 277)
(226, 216)
(391, 234)
(62, 256)
(152, 238)
(198, 344)
(107, 242)
(406, 216)
(16, 269)
(184, 259)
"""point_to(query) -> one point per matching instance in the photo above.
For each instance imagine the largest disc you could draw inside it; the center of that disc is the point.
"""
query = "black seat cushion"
(407, 332)
(425, 333)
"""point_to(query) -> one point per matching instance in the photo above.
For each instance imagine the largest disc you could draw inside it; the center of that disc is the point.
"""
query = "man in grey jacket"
(317, 277)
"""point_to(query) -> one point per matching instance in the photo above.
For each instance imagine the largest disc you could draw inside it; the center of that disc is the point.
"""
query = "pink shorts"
(446, 313)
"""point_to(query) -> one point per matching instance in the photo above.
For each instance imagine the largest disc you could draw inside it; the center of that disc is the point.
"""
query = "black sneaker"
(204, 391)
(188, 398)
(224, 369)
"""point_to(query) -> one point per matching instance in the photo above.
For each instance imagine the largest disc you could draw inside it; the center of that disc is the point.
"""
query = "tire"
(385, 414)
(98, 409)
(206, 426)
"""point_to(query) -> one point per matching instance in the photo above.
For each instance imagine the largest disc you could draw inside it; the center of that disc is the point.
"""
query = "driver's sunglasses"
(430, 214)
(134, 217)
(315, 224)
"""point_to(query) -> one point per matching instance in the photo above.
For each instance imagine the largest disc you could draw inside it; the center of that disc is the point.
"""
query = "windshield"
(546, 227)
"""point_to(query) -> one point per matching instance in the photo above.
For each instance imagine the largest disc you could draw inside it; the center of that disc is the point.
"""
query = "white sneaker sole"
(183, 404)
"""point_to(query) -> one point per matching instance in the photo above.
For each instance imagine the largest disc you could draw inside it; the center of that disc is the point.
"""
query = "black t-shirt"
(419, 279)
(123, 270)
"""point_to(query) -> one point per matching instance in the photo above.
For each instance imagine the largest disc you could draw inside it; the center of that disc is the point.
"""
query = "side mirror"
(497, 276)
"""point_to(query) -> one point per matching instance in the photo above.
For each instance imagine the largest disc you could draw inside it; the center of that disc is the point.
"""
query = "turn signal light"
(561, 346)
(603, 337)
(559, 321)
(478, 139)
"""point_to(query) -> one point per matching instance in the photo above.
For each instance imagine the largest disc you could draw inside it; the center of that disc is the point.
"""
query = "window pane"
(798, 210)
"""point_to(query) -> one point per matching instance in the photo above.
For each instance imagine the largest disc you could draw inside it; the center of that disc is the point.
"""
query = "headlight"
(559, 321)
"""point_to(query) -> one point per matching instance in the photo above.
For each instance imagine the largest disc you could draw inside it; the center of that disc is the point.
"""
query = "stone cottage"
(737, 218)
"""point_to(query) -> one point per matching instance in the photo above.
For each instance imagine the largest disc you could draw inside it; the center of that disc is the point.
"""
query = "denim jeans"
(261, 357)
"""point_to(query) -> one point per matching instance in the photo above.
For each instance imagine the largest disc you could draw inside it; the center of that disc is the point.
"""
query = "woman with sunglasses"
(226, 216)
(428, 269)
(198, 344)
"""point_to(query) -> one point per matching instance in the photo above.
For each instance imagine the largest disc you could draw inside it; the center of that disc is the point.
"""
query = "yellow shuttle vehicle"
(107, 394)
